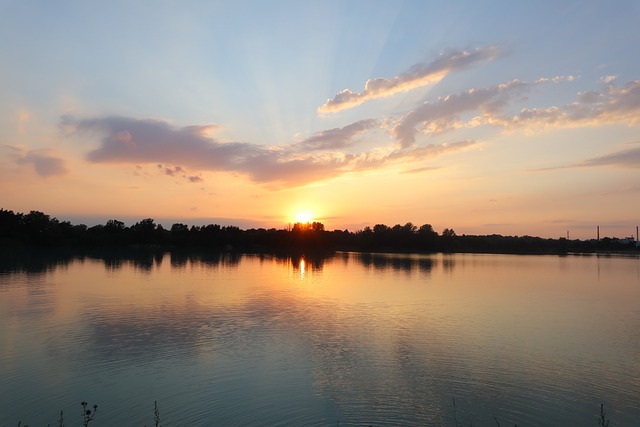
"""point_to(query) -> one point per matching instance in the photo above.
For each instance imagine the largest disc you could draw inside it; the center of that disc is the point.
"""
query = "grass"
(603, 421)
(89, 415)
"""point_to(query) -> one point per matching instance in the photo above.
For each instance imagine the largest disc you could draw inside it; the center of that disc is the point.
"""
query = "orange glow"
(303, 217)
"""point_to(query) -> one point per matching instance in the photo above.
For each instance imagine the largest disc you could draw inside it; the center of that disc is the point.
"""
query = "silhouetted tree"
(409, 228)
(426, 230)
(144, 231)
(39, 229)
(10, 227)
(179, 228)
(114, 226)
(145, 225)
(448, 232)
(380, 229)
(300, 227)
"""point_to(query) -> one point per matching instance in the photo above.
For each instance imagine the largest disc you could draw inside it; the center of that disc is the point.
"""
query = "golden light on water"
(302, 266)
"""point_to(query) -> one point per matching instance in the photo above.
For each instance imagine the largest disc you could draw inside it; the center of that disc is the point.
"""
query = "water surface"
(359, 339)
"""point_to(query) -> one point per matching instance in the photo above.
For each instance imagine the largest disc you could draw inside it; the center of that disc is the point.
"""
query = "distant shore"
(37, 229)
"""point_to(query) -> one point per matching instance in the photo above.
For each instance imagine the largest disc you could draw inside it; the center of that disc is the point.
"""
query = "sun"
(303, 217)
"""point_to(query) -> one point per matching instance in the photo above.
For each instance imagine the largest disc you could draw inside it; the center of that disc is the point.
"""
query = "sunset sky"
(482, 116)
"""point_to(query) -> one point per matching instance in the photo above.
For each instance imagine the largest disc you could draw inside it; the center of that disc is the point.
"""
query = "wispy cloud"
(418, 75)
(126, 140)
(612, 104)
(184, 152)
(43, 162)
(172, 171)
(629, 158)
(444, 114)
(179, 172)
(413, 154)
(181, 151)
(23, 119)
(338, 138)
(420, 170)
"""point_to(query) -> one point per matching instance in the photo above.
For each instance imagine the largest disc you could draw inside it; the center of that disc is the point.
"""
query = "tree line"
(38, 229)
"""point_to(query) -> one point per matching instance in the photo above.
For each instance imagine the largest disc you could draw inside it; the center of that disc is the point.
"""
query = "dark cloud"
(179, 172)
(417, 76)
(175, 171)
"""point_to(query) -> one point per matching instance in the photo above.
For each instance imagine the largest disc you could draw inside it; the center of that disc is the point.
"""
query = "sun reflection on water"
(302, 268)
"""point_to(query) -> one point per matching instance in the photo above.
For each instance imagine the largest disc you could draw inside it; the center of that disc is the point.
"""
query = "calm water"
(357, 339)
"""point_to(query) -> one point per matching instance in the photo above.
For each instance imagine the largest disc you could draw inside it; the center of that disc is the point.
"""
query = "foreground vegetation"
(39, 229)
(89, 415)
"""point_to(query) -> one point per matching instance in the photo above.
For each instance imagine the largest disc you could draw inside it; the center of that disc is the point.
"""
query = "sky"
(488, 117)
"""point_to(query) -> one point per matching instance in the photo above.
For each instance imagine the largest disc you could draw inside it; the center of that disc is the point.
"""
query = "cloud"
(413, 154)
(417, 76)
(126, 140)
(179, 172)
(431, 151)
(443, 114)
(420, 170)
(629, 158)
(23, 118)
(168, 170)
(44, 164)
(180, 151)
(611, 105)
(337, 138)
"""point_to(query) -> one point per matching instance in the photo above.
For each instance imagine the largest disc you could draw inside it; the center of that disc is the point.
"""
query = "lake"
(349, 340)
